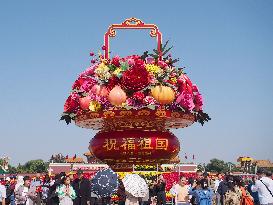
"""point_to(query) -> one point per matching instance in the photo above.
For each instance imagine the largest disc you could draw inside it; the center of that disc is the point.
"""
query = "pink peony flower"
(130, 102)
(149, 100)
(150, 60)
(162, 64)
(87, 85)
(195, 89)
(185, 99)
(131, 61)
(89, 71)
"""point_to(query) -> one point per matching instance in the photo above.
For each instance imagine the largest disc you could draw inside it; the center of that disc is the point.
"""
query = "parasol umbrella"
(135, 185)
(105, 183)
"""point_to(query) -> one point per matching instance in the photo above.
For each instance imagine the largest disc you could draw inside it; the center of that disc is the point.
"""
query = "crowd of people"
(66, 189)
(224, 189)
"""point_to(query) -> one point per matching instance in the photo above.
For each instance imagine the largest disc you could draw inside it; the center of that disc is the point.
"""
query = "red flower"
(115, 61)
(137, 77)
(112, 82)
(139, 96)
(93, 61)
(91, 53)
(72, 103)
(103, 47)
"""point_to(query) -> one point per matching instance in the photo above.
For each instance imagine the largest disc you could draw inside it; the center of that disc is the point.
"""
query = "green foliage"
(163, 53)
(202, 117)
(200, 167)
(32, 166)
(67, 117)
(217, 165)
(36, 166)
(12, 170)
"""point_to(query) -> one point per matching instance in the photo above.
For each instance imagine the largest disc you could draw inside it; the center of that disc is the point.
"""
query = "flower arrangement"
(134, 82)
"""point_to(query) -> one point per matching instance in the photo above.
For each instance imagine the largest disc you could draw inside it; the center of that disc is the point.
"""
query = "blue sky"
(226, 46)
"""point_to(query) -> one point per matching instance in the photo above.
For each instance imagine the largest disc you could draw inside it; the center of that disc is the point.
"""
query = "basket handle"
(132, 23)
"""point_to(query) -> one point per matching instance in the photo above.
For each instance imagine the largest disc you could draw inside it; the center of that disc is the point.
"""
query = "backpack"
(204, 198)
(246, 199)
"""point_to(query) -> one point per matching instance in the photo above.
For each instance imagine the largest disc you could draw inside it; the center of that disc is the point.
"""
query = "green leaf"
(124, 66)
(175, 60)
(165, 45)
(112, 67)
(156, 51)
(152, 107)
(165, 52)
(66, 118)
(144, 55)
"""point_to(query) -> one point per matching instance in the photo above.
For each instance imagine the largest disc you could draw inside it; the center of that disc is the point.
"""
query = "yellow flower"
(173, 80)
(102, 68)
(117, 71)
(153, 68)
(94, 106)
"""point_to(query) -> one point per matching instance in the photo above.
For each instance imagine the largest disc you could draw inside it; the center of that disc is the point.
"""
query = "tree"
(36, 166)
(200, 167)
(217, 165)
(12, 170)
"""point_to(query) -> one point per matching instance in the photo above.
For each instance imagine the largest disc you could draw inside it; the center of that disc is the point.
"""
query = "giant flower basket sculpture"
(134, 101)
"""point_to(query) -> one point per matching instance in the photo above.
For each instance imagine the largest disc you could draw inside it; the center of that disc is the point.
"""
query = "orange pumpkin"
(163, 94)
(100, 90)
(84, 102)
(117, 96)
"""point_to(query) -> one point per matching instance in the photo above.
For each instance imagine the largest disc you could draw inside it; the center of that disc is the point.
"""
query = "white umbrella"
(135, 185)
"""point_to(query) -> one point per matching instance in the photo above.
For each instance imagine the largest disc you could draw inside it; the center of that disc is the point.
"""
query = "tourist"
(160, 191)
(65, 192)
(181, 192)
(255, 194)
(82, 187)
(19, 182)
(222, 188)
(204, 196)
(217, 181)
(2, 194)
(191, 184)
(246, 198)
(121, 193)
(130, 199)
(10, 199)
(36, 184)
(199, 175)
(233, 194)
(264, 186)
(94, 199)
(25, 195)
(45, 188)
(152, 192)
(71, 176)
(53, 198)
